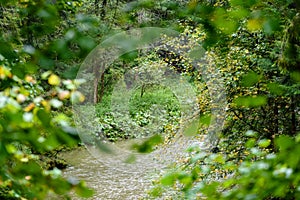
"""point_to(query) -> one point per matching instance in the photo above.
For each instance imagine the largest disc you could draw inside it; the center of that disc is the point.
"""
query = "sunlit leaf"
(169, 179)
(10, 148)
(46, 74)
(5, 72)
(254, 24)
(251, 143)
(223, 22)
(264, 143)
(53, 79)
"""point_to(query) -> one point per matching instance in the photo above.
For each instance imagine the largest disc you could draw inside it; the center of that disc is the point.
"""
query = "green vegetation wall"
(254, 44)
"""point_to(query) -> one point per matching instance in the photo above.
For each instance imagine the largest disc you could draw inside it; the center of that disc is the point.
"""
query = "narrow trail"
(112, 178)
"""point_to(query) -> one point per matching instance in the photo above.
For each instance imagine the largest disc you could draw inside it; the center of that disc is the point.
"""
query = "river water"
(113, 178)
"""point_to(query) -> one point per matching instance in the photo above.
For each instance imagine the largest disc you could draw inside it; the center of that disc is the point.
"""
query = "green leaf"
(264, 143)
(295, 76)
(223, 22)
(7, 50)
(60, 186)
(156, 191)
(218, 158)
(185, 179)
(130, 55)
(205, 119)
(44, 117)
(284, 142)
(11, 148)
(244, 3)
(83, 191)
(103, 147)
(70, 73)
(238, 13)
(251, 133)
(50, 143)
(19, 71)
(276, 88)
(198, 156)
(251, 101)
(46, 63)
(130, 159)
(191, 129)
(250, 79)
(147, 146)
(28, 168)
(169, 179)
(271, 25)
(86, 43)
(250, 143)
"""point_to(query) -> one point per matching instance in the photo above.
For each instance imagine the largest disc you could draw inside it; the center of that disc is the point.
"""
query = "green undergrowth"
(258, 172)
(151, 110)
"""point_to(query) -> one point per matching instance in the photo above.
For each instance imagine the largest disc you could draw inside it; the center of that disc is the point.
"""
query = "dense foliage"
(256, 47)
(253, 44)
(37, 44)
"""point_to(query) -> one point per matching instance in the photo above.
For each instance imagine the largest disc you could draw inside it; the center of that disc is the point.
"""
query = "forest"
(212, 86)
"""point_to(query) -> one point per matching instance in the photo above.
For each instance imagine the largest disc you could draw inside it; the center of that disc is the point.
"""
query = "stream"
(112, 177)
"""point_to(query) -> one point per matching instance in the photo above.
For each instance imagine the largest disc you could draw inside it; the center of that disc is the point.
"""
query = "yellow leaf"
(29, 107)
(4, 72)
(46, 105)
(254, 24)
(24, 159)
(54, 80)
(30, 79)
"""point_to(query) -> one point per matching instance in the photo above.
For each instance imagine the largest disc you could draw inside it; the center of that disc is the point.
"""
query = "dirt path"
(112, 178)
